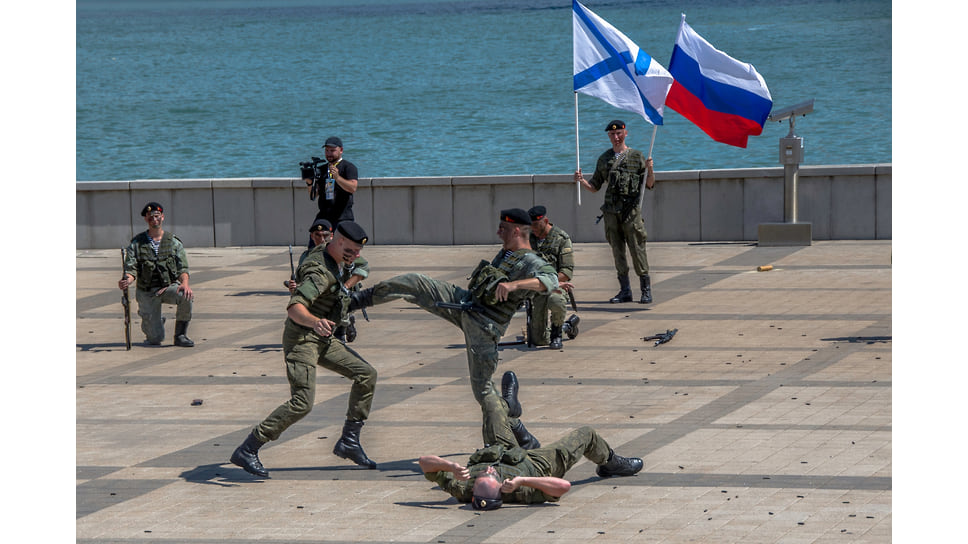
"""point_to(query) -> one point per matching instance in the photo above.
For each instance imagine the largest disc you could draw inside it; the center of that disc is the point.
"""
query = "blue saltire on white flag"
(610, 66)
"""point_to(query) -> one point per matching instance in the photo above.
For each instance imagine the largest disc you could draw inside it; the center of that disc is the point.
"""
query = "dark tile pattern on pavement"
(767, 418)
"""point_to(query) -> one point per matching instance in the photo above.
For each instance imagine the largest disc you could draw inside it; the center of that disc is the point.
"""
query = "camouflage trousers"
(541, 306)
(631, 234)
(149, 308)
(481, 335)
(304, 350)
(553, 459)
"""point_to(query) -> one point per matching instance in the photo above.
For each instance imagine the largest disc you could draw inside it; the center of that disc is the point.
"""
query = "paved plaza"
(766, 419)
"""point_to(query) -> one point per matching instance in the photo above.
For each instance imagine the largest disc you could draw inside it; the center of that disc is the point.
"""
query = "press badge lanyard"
(331, 182)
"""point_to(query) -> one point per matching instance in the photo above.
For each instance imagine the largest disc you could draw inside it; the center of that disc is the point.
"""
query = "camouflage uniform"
(624, 226)
(322, 292)
(556, 249)
(482, 329)
(509, 460)
(152, 272)
(360, 267)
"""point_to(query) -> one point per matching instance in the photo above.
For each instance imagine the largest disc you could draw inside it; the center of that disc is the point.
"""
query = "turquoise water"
(233, 88)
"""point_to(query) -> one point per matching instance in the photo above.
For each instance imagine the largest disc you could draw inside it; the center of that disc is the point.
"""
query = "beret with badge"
(537, 212)
(321, 224)
(516, 216)
(615, 125)
(151, 207)
(352, 231)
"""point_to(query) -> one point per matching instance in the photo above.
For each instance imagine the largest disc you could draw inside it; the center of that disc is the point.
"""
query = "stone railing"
(841, 202)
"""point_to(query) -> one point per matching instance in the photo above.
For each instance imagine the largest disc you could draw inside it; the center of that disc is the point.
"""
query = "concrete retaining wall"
(841, 202)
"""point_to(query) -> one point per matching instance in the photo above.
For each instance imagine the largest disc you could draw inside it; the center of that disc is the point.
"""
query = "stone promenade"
(766, 419)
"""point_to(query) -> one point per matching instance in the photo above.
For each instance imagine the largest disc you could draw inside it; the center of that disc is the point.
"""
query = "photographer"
(332, 183)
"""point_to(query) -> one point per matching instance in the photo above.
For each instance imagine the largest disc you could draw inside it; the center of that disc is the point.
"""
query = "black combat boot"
(555, 337)
(247, 457)
(646, 284)
(525, 439)
(348, 446)
(625, 291)
(509, 392)
(616, 465)
(361, 298)
(570, 326)
(181, 327)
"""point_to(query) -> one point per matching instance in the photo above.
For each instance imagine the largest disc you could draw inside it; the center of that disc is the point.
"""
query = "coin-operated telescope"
(791, 232)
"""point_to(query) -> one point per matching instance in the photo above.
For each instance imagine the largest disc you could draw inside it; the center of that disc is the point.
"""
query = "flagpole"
(652, 143)
(577, 153)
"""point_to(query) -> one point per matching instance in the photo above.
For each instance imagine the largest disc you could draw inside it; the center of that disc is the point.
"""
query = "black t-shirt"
(341, 207)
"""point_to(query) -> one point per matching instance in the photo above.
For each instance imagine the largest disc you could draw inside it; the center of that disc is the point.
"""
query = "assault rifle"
(292, 272)
(529, 314)
(661, 338)
(468, 306)
(126, 303)
(571, 298)
(362, 309)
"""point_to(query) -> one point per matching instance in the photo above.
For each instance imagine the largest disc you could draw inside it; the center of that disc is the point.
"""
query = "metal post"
(791, 231)
(790, 172)
(791, 155)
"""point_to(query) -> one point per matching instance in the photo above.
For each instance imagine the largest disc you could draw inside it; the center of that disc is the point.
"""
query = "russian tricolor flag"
(726, 98)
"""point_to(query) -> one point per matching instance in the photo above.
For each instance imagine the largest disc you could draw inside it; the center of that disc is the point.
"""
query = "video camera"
(316, 169)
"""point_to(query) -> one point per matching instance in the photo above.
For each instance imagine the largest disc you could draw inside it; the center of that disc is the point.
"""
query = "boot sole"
(348, 457)
(241, 464)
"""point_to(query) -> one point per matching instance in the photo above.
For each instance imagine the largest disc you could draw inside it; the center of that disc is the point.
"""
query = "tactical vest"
(159, 270)
(626, 173)
(484, 280)
(549, 248)
(508, 462)
(332, 303)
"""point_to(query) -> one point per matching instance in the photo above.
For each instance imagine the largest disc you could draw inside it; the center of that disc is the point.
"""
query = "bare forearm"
(432, 463)
(300, 315)
(348, 185)
(549, 485)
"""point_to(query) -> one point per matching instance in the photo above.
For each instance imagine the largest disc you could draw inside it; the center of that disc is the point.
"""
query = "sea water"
(236, 88)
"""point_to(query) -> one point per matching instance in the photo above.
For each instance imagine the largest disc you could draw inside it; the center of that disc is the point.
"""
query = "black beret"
(481, 503)
(333, 141)
(615, 125)
(352, 231)
(516, 215)
(321, 224)
(151, 207)
(537, 212)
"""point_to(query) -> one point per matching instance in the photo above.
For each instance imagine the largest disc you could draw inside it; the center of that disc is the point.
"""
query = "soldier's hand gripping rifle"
(126, 303)
(291, 283)
(661, 338)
